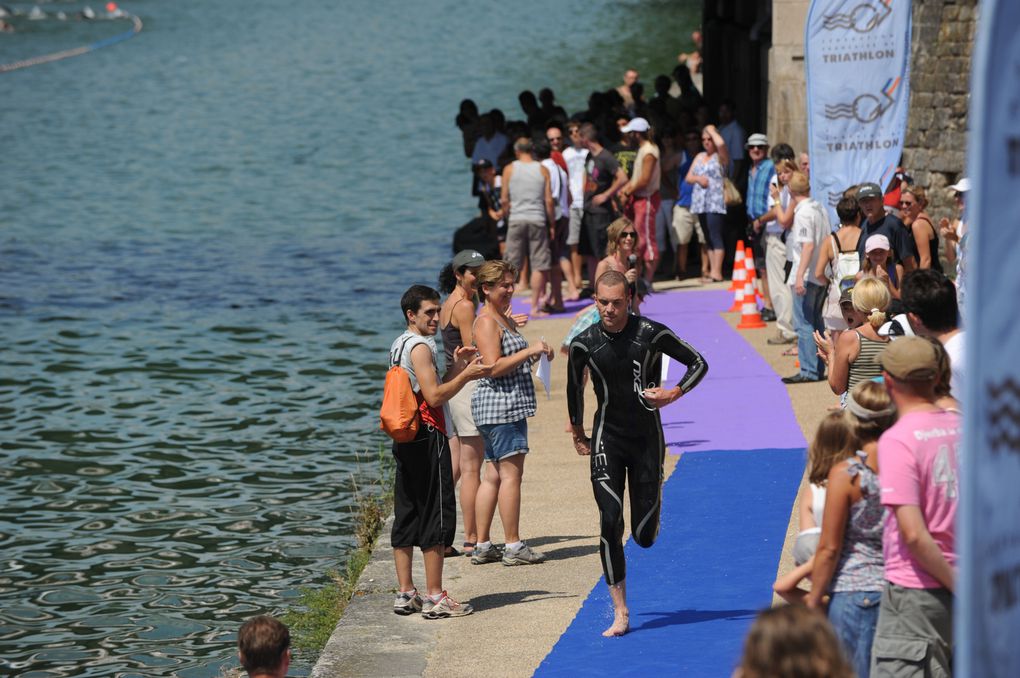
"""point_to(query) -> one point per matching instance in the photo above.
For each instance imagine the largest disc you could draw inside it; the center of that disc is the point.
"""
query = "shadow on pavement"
(678, 617)
(537, 542)
(492, 601)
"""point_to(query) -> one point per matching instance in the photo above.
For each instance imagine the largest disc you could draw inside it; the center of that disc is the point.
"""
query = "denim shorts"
(505, 440)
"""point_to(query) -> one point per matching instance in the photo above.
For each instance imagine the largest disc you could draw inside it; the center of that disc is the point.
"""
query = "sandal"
(451, 552)
(469, 547)
(790, 351)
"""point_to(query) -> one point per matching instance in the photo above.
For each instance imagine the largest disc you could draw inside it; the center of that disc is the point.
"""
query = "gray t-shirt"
(412, 340)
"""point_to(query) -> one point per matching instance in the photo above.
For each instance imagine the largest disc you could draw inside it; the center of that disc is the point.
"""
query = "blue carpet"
(693, 594)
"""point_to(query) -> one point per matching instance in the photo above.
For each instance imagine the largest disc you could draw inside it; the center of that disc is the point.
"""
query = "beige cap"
(910, 359)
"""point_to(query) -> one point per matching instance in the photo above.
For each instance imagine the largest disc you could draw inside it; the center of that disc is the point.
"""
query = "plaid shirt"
(758, 179)
(502, 400)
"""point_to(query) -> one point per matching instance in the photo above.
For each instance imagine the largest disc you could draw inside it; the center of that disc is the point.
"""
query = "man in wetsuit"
(624, 354)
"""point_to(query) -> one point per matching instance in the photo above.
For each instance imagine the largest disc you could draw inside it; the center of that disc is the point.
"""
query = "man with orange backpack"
(424, 507)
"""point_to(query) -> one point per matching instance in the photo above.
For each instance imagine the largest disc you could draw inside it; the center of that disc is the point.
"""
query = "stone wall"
(935, 146)
(787, 104)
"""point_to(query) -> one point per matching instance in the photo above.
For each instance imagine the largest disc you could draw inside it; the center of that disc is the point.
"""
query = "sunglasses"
(554, 139)
(904, 203)
(629, 234)
(760, 148)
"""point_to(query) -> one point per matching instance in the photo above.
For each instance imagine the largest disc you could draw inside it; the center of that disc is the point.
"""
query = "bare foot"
(621, 624)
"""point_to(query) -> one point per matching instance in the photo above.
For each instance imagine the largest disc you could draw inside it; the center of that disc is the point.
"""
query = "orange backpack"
(398, 416)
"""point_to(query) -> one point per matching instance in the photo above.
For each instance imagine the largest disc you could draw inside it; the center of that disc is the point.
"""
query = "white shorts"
(459, 421)
(685, 225)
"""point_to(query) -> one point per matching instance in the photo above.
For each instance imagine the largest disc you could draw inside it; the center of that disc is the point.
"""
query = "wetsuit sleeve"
(577, 359)
(667, 343)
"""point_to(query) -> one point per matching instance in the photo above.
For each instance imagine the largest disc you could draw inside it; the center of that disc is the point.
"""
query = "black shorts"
(558, 243)
(594, 235)
(757, 243)
(424, 506)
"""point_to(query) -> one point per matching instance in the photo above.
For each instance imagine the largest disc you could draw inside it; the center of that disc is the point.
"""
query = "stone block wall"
(787, 104)
(935, 147)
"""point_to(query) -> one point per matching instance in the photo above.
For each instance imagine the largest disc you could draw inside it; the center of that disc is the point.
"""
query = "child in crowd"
(833, 442)
(792, 641)
(879, 262)
(263, 647)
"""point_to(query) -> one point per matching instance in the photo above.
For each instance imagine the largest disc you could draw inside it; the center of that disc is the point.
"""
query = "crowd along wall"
(936, 140)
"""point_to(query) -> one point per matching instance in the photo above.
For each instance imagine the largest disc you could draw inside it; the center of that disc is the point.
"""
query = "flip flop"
(451, 552)
(790, 351)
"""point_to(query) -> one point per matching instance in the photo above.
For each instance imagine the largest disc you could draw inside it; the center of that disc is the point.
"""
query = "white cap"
(961, 186)
(635, 125)
(898, 326)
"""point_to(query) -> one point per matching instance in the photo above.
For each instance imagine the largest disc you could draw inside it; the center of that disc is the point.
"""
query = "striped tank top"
(865, 367)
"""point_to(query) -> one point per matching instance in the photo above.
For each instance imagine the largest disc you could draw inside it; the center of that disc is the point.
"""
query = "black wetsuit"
(627, 441)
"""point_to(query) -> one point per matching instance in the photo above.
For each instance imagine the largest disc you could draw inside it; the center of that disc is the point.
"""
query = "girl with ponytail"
(852, 359)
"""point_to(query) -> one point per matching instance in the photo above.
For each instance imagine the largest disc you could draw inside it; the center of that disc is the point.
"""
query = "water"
(204, 233)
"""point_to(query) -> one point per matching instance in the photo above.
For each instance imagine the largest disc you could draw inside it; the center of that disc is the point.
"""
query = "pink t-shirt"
(918, 466)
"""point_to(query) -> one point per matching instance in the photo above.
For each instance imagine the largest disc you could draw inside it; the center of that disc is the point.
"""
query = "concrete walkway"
(521, 612)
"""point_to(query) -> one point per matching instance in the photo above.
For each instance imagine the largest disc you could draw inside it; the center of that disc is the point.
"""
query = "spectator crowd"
(863, 304)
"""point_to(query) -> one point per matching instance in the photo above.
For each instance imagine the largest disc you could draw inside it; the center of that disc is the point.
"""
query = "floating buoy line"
(136, 28)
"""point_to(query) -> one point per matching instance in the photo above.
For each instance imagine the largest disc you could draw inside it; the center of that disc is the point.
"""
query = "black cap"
(869, 190)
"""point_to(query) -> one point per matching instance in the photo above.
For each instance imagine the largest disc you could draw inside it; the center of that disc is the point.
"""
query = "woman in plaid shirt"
(500, 406)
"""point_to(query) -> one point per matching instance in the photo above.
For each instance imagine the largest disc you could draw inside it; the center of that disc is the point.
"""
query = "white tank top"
(817, 503)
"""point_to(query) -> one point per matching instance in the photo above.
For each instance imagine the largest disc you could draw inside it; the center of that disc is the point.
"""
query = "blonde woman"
(852, 359)
(707, 201)
(501, 405)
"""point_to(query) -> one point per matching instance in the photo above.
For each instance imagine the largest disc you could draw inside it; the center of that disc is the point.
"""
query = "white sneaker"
(407, 603)
(446, 607)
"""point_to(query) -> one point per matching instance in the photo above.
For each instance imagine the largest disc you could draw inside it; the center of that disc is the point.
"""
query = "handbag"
(731, 196)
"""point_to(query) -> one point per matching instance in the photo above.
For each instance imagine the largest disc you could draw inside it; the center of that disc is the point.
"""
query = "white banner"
(857, 64)
(988, 612)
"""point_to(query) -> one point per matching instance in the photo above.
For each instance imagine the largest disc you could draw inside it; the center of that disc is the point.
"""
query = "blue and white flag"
(988, 525)
(857, 62)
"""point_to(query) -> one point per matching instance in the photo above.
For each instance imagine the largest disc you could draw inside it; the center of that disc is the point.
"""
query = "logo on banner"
(866, 107)
(1004, 416)
(863, 18)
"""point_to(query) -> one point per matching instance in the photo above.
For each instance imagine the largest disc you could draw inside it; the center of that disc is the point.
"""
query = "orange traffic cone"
(750, 318)
(737, 282)
(752, 273)
(738, 301)
(739, 278)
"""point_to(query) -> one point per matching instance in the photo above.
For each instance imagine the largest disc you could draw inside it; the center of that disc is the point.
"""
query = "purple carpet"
(570, 308)
(725, 512)
(741, 404)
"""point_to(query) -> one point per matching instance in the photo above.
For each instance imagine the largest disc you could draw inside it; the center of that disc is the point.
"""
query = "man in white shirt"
(575, 156)
(810, 228)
